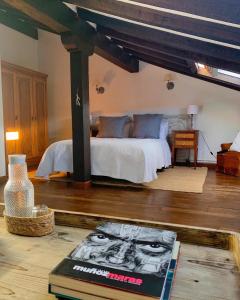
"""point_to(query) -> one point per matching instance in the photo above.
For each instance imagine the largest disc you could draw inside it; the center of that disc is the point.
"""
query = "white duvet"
(135, 160)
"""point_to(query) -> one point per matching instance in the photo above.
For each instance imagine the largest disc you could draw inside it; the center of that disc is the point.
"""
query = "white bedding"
(135, 160)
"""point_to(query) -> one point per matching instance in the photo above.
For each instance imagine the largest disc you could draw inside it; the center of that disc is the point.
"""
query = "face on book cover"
(127, 247)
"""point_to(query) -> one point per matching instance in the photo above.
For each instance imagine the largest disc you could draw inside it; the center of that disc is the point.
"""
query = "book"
(118, 261)
(171, 271)
(63, 293)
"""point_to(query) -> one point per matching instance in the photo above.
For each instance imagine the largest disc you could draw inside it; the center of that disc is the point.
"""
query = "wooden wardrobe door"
(40, 112)
(25, 118)
(9, 112)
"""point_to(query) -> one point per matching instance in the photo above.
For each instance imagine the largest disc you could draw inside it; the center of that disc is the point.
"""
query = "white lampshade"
(192, 109)
(12, 135)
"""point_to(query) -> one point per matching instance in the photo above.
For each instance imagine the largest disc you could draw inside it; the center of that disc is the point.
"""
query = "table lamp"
(192, 110)
(12, 135)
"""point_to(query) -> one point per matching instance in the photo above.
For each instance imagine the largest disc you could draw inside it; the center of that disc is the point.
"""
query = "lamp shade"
(192, 109)
(12, 135)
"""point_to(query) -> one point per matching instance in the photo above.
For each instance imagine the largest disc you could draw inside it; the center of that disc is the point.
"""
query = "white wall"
(21, 50)
(17, 48)
(54, 60)
(219, 117)
(2, 146)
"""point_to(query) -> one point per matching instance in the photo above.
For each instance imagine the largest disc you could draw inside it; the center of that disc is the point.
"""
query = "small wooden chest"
(229, 163)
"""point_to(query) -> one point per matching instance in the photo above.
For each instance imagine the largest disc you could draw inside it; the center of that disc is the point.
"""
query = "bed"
(135, 160)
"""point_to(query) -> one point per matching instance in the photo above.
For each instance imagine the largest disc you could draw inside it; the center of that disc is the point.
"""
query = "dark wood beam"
(163, 64)
(173, 50)
(31, 9)
(139, 49)
(224, 10)
(58, 17)
(17, 15)
(158, 59)
(192, 65)
(72, 42)
(157, 54)
(18, 25)
(115, 54)
(156, 36)
(195, 27)
(104, 47)
(187, 72)
(80, 115)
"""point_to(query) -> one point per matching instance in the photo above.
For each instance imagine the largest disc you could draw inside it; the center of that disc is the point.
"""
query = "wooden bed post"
(80, 50)
(80, 115)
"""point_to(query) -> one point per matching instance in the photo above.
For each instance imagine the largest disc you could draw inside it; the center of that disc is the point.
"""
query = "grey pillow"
(147, 126)
(113, 127)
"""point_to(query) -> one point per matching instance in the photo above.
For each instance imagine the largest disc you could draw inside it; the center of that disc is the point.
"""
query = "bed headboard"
(176, 122)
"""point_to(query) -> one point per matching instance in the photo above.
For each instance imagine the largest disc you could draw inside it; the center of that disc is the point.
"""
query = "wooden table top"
(203, 273)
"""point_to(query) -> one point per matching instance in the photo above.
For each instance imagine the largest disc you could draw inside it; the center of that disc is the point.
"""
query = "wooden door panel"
(39, 87)
(24, 97)
(8, 108)
(24, 104)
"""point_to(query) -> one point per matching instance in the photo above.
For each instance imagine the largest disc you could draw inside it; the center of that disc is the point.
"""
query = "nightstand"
(185, 139)
(94, 130)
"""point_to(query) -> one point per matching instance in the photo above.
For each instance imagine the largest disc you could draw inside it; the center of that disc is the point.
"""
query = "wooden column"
(80, 116)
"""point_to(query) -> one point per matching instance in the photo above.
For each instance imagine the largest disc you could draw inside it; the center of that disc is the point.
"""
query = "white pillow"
(163, 129)
(236, 144)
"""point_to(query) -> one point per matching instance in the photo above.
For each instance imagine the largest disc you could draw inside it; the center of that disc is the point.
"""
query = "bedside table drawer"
(185, 139)
(184, 143)
(184, 136)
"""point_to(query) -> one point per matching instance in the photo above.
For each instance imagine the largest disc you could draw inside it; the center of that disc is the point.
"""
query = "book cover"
(128, 257)
(73, 295)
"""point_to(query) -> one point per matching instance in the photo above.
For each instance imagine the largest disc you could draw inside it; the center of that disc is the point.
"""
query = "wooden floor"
(218, 207)
(203, 273)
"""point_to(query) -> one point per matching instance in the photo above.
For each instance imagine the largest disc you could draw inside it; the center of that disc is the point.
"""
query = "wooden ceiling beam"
(158, 57)
(134, 49)
(15, 15)
(115, 54)
(213, 9)
(18, 25)
(104, 47)
(33, 12)
(156, 36)
(61, 19)
(162, 63)
(163, 46)
(192, 66)
(144, 15)
(154, 53)
(55, 15)
(163, 57)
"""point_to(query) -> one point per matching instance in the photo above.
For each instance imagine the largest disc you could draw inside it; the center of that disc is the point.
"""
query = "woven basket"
(38, 226)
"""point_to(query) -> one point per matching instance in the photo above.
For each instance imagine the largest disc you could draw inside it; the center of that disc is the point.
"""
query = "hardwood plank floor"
(218, 207)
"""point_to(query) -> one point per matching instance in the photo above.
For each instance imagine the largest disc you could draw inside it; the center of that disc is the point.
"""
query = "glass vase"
(18, 191)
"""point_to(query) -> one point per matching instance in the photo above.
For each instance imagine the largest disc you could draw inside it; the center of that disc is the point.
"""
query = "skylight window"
(236, 75)
(200, 66)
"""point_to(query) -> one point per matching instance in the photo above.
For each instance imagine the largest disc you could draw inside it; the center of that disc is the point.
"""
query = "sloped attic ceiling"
(170, 34)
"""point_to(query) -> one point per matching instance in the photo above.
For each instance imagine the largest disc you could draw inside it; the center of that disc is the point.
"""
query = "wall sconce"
(12, 135)
(170, 85)
(100, 89)
(169, 79)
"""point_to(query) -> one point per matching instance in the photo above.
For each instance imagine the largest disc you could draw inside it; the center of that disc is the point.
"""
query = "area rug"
(180, 179)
